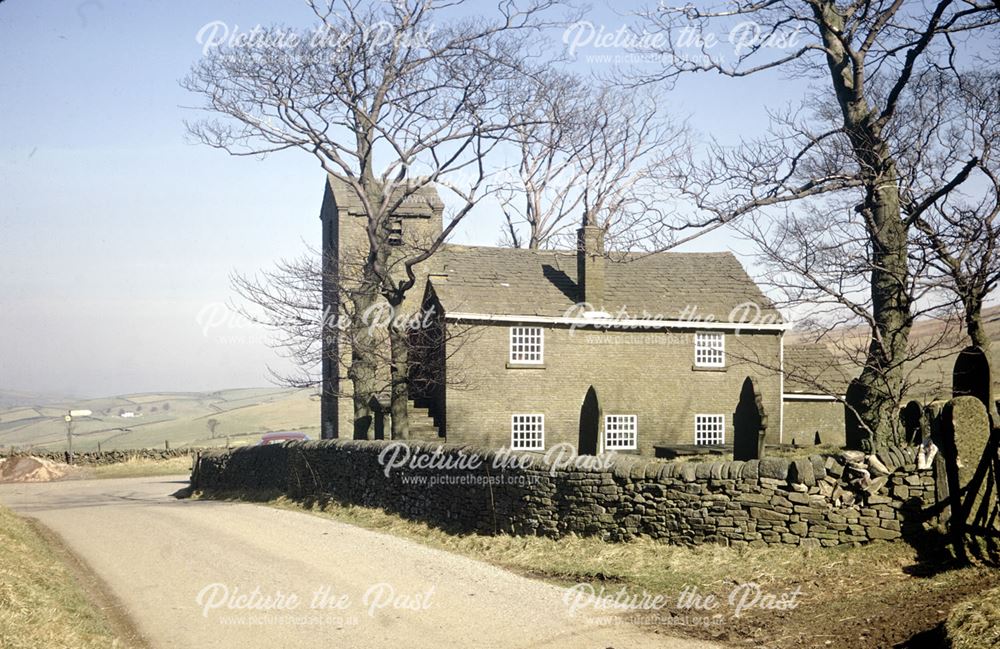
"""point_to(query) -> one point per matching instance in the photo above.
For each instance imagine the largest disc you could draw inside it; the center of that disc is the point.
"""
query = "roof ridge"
(571, 251)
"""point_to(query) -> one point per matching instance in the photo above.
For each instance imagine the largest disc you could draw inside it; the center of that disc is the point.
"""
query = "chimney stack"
(590, 263)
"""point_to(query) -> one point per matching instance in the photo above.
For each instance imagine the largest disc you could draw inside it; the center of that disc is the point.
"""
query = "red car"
(282, 436)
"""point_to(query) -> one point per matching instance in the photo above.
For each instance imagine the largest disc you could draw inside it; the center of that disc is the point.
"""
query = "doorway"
(590, 424)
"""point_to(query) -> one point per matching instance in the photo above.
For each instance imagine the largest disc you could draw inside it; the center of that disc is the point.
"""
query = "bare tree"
(628, 144)
(288, 301)
(587, 153)
(550, 108)
(816, 260)
(863, 57)
(959, 233)
(390, 98)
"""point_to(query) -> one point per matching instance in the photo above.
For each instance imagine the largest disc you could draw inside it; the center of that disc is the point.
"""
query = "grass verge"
(42, 600)
(975, 623)
(878, 595)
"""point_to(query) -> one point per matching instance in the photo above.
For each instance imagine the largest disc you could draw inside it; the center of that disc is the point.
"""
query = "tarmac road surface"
(192, 574)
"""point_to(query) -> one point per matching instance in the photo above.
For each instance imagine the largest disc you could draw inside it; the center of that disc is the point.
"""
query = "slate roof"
(513, 282)
(813, 369)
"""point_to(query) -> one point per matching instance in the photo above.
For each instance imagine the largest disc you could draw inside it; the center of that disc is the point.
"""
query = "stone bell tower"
(415, 224)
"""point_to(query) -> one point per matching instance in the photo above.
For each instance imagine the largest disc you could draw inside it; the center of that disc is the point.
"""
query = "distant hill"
(931, 376)
(11, 398)
(149, 420)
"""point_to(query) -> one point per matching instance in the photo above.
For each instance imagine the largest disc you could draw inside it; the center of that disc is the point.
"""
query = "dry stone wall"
(847, 499)
(93, 458)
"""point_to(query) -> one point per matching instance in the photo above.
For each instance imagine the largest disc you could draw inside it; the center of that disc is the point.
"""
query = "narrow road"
(197, 574)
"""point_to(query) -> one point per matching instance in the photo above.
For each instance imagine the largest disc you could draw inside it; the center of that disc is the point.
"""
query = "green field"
(182, 418)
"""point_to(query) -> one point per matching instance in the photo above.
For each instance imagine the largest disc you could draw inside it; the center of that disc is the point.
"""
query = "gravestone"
(971, 377)
(975, 438)
(749, 424)
(914, 423)
(932, 415)
(855, 435)
(965, 428)
(962, 436)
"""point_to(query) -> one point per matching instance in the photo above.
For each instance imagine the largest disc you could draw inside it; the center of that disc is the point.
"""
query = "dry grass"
(792, 452)
(975, 623)
(41, 604)
(643, 563)
(140, 467)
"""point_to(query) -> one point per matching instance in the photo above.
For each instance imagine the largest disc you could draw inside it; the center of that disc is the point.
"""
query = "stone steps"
(422, 427)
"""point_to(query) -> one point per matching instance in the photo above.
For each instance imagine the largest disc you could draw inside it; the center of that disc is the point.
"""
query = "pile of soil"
(32, 469)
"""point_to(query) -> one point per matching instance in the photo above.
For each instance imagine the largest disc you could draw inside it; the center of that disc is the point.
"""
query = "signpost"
(69, 428)
(69, 436)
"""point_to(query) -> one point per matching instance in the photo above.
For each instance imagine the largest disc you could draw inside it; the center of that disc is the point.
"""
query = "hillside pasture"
(180, 419)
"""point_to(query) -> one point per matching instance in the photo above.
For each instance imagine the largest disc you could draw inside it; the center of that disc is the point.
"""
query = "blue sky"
(116, 231)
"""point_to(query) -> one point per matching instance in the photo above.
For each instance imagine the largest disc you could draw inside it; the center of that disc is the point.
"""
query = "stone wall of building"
(849, 499)
(649, 374)
(803, 418)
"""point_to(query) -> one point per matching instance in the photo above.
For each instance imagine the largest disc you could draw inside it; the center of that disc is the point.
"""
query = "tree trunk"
(363, 371)
(364, 339)
(399, 372)
(882, 379)
(974, 324)
(880, 384)
(363, 368)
